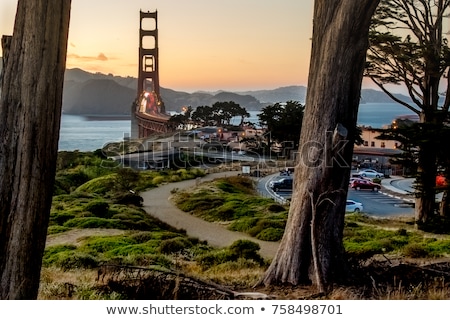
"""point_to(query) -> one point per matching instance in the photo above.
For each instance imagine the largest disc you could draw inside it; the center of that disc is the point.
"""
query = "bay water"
(88, 134)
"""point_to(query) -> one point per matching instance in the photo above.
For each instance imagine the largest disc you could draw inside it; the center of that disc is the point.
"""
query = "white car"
(353, 206)
(370, 173)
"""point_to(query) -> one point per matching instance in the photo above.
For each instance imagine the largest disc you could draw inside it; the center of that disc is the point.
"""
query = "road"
(375, 203)
(378, 204)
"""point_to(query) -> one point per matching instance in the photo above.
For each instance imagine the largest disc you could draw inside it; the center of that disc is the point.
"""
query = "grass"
(233, 200)
(69, 270)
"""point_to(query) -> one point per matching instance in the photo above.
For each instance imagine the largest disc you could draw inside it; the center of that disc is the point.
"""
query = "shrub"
(126, 179)
(158, 180)
(94, 222)
(270, 234)
(149, 247)
(99, 208)
(415, 250)
(263, 224)
(243, 224)
(246, 249)
(100, 185)
(174, 245)
(215, 258)
(56, 229)
(76, 260)
(66, 257)
(376, 180)
(141, 237)
(61, 217)
(129, 198)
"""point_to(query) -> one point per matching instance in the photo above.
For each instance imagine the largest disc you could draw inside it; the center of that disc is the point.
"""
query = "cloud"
(101, 57)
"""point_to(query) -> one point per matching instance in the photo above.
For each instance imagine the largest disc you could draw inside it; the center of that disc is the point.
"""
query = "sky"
(203, 44)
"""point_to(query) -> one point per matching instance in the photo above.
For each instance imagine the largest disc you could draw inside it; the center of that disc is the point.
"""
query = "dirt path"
(158, 204)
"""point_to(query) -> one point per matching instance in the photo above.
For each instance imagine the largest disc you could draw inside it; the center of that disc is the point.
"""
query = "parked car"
(353, 206)
(363, 184)
(284, 183)
(357, 178)
(370, 173)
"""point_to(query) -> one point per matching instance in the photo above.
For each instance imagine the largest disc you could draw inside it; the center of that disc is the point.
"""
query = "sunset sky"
(204, 44)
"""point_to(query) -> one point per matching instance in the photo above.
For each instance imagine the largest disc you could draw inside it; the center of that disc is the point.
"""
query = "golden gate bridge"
(148, 114)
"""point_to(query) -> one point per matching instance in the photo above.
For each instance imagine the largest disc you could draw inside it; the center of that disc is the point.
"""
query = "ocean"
(84, 134)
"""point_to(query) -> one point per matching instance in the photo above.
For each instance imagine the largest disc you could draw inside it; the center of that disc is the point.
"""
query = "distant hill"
(283, 94)
(97, 97)
(375, 96)
(105, 94)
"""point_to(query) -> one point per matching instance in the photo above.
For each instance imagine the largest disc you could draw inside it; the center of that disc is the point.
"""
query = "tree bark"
(30, 109)
(444, 206)
(312, 249)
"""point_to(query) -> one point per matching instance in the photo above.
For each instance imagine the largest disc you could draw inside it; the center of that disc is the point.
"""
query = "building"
(375, 153)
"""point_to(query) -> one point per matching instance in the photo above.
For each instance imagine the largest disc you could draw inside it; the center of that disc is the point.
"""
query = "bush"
(56, 229)
(215, 258)
(129, 198)
(76, 260)
(415, 250)
(126, 179)
(174, 245)
(158, 180)
(94, 222)
(243, 224)
(246, 249)
(376, 180)
(141, 237)
(270, 234)
(100, 185)
(99, 208)
(66, 257)
(61, 217)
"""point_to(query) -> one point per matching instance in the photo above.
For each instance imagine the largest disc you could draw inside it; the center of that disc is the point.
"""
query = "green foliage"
(270, 234)
(376, 180)
(56, 229)
(99, 208)
(415, 250)
(158, 180)
(94, 222)
(60, 218)
(174, 245)
(284, 122)
(100, 185)
(271, 224)
(128, 198)
(219, 114)
(215, 258)
(240, 249)
(126, 179)
(243, 224)
(67, 257)
(99, 244)
(246, 249)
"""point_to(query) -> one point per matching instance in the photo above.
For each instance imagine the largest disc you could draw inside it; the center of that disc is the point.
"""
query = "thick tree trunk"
(426, 176)
(311, 249)
(30, 109)
(444, 206)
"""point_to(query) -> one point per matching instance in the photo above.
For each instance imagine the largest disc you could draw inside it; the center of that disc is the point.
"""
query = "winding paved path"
(158, 204)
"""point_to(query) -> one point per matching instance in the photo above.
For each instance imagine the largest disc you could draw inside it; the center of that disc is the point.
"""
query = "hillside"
(105, 94)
